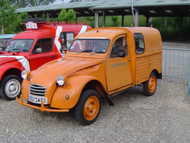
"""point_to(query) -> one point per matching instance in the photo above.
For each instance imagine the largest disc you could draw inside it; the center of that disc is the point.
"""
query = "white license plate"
(37, 99)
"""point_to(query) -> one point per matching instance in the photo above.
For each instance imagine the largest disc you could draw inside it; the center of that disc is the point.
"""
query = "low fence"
(176, 63)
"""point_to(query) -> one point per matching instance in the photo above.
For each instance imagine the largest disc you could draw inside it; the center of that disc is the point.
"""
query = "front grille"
(37, 90)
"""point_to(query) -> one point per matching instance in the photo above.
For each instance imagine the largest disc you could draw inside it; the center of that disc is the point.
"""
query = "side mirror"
(38, 50)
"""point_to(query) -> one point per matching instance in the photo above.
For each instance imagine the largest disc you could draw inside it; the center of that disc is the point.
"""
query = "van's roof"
(111, 32)
(34, 34)
(145, 30)
(48, 30)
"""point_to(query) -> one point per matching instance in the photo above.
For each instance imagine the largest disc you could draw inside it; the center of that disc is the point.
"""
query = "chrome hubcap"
(12, 88)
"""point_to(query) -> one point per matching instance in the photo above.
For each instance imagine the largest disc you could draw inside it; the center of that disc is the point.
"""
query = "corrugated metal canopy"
(72, 5)
(146, 7)
(118, 7)
(140, 3)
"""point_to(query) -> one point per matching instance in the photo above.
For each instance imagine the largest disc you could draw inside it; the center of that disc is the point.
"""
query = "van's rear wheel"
(88, 107)
(11, 87)
(150, 86)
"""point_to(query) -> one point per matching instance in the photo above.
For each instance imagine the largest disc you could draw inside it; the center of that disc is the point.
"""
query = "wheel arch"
(159, 75)
(7, 76)
(95, 84)
(76, 85)
(10, 71)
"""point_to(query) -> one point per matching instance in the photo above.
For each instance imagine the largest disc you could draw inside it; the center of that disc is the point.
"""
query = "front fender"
(7, 67)
(67, 97)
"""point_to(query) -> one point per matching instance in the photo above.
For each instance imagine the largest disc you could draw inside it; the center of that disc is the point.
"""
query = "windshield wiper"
(100, 51)
(13, 50)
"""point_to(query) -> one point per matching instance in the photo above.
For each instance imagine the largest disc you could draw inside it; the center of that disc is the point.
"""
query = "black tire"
(146, 90)
(78, 111)
(6, 81)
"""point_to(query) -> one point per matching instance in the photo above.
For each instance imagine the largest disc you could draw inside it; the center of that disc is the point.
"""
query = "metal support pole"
(147, 21)
(150, 22)
(96, 19)
(165, 22)
(104, 19)
(76, 20)
(187, 76)
(136, 19)
(122, 20)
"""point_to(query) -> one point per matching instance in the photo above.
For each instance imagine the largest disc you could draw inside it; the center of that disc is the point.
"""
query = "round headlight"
(60, 81)
(24, 74)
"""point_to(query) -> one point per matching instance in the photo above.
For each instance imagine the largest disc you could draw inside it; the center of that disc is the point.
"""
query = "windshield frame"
(91, 39)
(32, 43)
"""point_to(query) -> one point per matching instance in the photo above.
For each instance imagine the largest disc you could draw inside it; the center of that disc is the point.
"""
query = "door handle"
(119, 64)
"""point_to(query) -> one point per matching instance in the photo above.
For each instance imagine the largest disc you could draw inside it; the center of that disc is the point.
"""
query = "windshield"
(23, 45)
(89, 45)
(4, 43)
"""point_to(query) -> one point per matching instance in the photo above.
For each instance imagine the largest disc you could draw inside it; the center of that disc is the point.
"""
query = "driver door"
(42, 53)
(118, 65)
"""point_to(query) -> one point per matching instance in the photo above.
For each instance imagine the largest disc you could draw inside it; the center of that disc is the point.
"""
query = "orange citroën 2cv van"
(100, 64)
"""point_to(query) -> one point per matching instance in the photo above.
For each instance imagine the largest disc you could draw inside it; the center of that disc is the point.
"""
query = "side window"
(67, 39)
(139, 42)
(70, 38)
(43, 46)
(119, 48)
(63, 38)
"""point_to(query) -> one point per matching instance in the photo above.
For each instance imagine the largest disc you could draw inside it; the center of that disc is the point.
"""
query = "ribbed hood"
(47, 74)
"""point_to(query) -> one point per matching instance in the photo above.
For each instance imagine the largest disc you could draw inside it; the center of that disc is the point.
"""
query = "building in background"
(103, 8)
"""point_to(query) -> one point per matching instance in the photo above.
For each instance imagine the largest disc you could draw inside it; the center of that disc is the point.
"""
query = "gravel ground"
(162, 118)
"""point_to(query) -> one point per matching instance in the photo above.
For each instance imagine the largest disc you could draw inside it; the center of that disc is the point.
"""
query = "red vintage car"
(42, 42)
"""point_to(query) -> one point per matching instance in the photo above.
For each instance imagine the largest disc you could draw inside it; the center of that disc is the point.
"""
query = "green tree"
(173, 28)
(67, 15)
(9, 20)
(115, 20)
(89, 21)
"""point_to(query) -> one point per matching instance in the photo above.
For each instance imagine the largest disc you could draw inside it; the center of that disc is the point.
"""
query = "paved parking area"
(163, 118)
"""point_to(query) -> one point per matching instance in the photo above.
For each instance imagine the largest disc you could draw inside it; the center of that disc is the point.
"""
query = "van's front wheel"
(11, 87)
(150, 86)
(88, 107)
